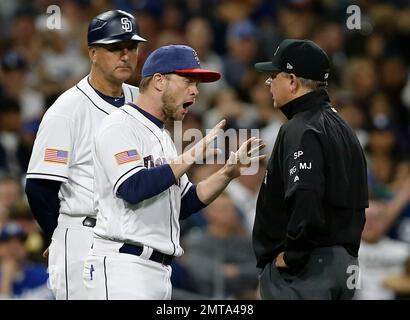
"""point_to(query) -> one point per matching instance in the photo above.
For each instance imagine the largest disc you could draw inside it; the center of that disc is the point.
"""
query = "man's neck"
(150, 105)
(111, 89)
(300, 92)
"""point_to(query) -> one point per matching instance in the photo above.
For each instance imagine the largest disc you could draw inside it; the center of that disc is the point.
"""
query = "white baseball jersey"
(126, 143)
(63, 147)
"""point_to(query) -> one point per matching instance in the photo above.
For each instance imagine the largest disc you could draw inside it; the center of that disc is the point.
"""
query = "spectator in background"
(405, 93)
(61, 66)
(22, 30)
(199, 35)
(220, 259)
(242, 44)
(244, 193)
(382, 112)
(10, 193)
(13, 85)
(355, 116)
(196, 174)
(392, 81)
(329, 36)
(400, 284)
(20, 213)
(379, 256)
(7, 8)
(383, 157)
(20, 279)
(14, 151)
(228, 105)
(291, 11)
(360, 78)
(401, 227)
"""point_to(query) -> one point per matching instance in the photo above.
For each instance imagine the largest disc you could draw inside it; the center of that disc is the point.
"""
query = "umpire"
(310, 209)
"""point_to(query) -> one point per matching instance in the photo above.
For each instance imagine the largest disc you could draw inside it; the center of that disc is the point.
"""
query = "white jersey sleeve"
(118, 151)
(52, 149)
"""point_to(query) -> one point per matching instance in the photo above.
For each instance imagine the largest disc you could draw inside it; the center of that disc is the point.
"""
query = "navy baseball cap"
(304, 58)
(179, 59)
(112, 27)
(12, 230)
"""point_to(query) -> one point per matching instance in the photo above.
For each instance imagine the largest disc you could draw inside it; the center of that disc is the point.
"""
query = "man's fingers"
(258, 158)
(218, 127)
(251, 141)
(45, 253)
(253, 144)
(257, 148)
(214, 132)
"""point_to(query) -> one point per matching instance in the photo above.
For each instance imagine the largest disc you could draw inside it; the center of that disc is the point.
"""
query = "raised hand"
(202, 149)
(247, 154)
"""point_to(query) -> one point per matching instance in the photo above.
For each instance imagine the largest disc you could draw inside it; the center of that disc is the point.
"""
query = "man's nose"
(124, 54)
(194, 90)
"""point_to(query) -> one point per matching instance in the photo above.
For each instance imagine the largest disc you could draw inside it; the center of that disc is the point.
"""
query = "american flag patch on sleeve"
(56, 156)
(127, 156)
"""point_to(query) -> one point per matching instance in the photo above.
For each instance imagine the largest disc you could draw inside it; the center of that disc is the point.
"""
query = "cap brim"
(203, 75)
(266, 67)
(138, 38)
(121, 38)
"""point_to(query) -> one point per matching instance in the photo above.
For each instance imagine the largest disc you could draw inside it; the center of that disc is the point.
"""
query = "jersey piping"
(119, 179)
(91, 100)
(46, 174)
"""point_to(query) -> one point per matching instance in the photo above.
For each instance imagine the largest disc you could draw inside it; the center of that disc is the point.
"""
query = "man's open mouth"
(187, 104)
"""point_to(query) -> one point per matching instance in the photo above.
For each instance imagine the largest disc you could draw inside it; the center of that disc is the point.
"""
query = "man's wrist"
(226, 173)
(179, 167)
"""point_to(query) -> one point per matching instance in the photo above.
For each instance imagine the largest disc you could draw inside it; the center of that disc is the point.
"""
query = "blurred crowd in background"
(369, 85)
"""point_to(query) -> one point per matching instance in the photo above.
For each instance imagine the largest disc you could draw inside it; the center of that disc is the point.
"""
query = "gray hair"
(310, 84)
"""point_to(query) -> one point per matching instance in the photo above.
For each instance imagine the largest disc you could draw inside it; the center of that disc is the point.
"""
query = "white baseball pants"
(68, 250)
(111, 275)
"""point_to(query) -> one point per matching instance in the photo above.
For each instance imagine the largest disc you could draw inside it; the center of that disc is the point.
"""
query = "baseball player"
(60, 175)
(141, 189)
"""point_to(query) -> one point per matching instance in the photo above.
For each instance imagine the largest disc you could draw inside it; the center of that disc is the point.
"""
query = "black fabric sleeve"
(146, 183)
(42, 195)
(190, 203)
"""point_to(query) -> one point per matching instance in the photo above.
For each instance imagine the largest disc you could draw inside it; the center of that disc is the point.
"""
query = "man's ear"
(159, 82)
(92, 51)
(294, 83)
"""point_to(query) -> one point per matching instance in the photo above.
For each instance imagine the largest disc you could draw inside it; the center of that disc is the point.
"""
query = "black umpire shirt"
(315, 188)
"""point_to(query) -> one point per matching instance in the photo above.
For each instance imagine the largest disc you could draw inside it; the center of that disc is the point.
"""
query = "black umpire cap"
(113, 26)
(304, 58)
